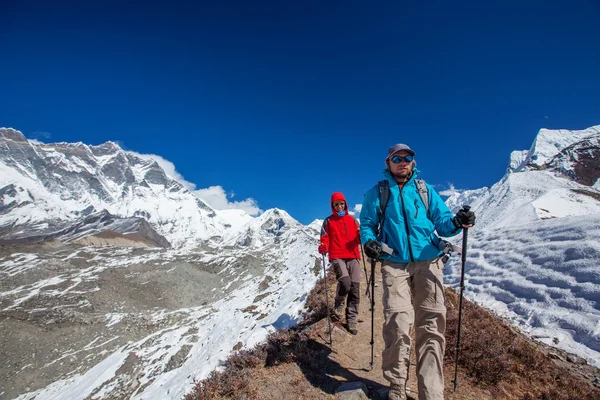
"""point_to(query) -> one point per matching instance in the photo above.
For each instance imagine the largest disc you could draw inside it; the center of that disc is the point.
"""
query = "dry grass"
(495, 356)
(314, 309)
(492, 355)
(235, 381)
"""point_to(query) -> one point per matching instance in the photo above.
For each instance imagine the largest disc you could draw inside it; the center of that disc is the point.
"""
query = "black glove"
(373, 249)
(464, 217)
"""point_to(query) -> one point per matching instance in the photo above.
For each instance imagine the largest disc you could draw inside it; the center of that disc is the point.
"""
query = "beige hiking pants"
(428, 314)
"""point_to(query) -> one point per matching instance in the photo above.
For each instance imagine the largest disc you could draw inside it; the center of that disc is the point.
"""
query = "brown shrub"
(230, 384)
(315, 309)
(235, 382)
(495, 356)
(563, 393)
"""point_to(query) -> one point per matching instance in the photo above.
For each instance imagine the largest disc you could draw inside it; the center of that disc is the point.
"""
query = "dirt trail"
(353, 353)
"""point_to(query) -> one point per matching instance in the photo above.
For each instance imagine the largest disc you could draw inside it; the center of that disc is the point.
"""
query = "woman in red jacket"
(340, 237)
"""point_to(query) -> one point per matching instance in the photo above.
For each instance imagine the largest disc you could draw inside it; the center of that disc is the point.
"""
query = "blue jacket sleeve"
(368, 216)
(441, 216)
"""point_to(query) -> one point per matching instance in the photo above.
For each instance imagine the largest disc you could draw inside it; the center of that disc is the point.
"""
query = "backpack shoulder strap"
(443, 245)
(423, 193)
(325, 226)
(384, 197)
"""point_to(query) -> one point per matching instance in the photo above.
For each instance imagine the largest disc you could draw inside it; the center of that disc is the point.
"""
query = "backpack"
(384, 197)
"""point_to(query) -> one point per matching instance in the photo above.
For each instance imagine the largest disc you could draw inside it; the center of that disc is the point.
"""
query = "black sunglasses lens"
(398, 159)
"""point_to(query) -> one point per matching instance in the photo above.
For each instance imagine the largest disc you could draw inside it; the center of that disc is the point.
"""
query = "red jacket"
(340, 235)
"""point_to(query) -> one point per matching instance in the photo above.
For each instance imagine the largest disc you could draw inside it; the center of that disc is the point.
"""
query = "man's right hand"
(373, 249)
(322, 249)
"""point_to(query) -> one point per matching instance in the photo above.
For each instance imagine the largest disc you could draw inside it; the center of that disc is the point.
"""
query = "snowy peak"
(13, 135)
(277, 216)
(13, 147)
(105, 149)
(276, 222)
(550, 142)
(267, 229)
(557, 177)
(558, 148)
(574, 154)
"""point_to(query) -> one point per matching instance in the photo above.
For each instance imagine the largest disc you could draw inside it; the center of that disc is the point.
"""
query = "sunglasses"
(399, 159)
(339, 204)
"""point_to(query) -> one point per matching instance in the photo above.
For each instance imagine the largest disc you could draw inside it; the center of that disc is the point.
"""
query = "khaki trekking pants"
(428, 314)
(347, 272)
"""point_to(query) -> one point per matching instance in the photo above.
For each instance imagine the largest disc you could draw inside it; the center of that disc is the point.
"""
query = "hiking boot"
(352, 327)
(397, 392)
(338, 312)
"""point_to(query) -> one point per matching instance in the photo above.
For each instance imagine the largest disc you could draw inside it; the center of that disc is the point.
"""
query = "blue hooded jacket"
(407, 229)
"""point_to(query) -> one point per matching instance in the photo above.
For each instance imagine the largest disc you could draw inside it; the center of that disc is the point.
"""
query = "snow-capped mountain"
(533, 254)
(265, 230)
(557, 177)
(184, 286)
(45, 188)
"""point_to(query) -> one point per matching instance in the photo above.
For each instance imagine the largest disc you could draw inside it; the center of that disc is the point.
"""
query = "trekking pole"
(327, 301)
(373, 262)
(368, 292)
(462, 287)
(383, 248)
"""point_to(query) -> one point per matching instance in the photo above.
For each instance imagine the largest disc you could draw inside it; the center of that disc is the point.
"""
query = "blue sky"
(287, 102)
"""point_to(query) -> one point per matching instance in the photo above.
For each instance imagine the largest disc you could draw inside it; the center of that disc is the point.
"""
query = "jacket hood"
(338, 196)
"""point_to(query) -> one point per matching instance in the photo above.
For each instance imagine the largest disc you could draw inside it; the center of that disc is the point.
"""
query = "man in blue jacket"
(413, 266)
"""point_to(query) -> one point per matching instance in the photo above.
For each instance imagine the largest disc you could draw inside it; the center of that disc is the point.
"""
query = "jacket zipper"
(416, 208)
(412, 258)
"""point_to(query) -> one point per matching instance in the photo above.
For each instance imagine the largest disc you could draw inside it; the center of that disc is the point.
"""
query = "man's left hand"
(464, 218)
